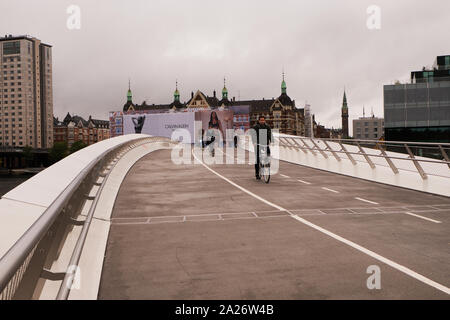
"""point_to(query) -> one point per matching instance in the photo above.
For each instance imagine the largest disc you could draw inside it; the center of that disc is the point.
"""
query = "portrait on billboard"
(138, 122)
(215, 126)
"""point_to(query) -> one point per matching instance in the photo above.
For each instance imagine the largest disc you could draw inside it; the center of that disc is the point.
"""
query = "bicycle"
(264, 163)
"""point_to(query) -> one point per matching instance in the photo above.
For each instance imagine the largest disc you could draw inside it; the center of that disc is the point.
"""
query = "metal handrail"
(436, 144)
(66, 285)
(365, 154)
(19, 252)
(371, 155)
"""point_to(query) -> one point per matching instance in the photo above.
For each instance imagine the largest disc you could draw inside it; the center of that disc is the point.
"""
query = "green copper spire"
(224, 91)
(129, 95)
(344, 102)
(176, 94)
(283, 85)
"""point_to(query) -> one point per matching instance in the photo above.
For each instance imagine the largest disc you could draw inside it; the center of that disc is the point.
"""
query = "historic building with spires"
(281, 113)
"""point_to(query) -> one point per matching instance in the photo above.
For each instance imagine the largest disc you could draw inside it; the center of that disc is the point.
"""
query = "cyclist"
(261, 136)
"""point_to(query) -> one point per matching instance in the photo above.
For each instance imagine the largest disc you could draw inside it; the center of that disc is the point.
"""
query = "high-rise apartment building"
(26, 92)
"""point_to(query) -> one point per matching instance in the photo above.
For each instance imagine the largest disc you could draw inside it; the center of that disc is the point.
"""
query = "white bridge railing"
(35, 216)
(388, 162)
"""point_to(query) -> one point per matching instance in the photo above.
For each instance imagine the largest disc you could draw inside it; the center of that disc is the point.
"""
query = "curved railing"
(33, 214)
(414, 165)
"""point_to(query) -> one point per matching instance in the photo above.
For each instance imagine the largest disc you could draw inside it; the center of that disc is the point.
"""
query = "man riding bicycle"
(261, 136)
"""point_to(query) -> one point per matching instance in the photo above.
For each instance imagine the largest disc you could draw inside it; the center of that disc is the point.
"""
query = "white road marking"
(425, 218)
(238, 186)
(305, 182)
(285, 176)
(330, 190)
(372, 254)
(361, 199)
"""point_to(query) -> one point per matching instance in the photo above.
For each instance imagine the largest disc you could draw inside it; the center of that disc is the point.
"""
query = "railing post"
(347, 153)
(299, 146)
(332, 151)
(416, 163)
(389, 161)
(307, 147)
(444, 154)
(320, 150)
(286, 143)
(361, 150)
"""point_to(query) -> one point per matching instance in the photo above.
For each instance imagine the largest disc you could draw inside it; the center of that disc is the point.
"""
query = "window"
(11, 48)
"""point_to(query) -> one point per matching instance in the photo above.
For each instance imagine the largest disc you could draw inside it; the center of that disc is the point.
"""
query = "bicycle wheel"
(266, 170)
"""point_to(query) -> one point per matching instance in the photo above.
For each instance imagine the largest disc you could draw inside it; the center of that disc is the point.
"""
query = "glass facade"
(423, 134)
(420, 111)
(12, 47)
(417, 105)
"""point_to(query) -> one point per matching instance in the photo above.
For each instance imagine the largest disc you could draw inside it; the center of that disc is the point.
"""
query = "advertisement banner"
(159, 124)
(214, 122)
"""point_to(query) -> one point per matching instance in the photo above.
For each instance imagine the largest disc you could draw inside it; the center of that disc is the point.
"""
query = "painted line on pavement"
(305, 182)
(238, 186)
(425, 218)
(364, 200)
(331, 190)
(370, 253)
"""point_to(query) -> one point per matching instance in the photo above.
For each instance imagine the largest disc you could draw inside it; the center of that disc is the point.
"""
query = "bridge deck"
(183, 232)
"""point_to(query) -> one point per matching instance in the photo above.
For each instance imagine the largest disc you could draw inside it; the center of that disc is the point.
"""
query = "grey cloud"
(323, 46)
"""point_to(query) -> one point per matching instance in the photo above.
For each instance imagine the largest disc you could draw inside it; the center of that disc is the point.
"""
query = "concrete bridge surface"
(214, 232)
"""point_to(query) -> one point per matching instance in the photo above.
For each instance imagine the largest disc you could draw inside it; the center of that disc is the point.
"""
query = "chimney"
(214, 93)
(192, 94)
(234, 99)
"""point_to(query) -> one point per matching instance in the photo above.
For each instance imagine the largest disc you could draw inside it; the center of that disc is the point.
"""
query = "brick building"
(75, 128)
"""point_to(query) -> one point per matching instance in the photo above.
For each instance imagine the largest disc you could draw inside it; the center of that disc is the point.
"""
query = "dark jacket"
(256, 135)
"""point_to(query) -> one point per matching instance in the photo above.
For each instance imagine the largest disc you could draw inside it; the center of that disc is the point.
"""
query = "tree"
(59, 151)
(78, 145)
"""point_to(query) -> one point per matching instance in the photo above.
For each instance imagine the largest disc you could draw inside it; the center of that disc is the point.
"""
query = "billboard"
(213, 122)
(159, 124)
(241, 119)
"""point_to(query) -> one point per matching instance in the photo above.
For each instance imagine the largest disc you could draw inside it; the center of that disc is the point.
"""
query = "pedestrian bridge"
(140, 217)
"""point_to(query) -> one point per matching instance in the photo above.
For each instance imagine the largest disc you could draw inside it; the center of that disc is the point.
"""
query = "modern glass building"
(420, 110)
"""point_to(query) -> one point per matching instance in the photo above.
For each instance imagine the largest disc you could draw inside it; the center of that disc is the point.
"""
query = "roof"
(22, 37)
(213, 102)
(256, 105)
(285, 100)
(76, 119)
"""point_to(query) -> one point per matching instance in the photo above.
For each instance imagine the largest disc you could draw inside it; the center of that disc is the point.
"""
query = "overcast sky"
(323, 45)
